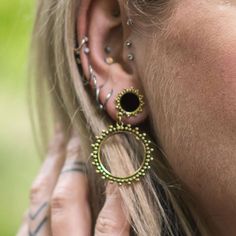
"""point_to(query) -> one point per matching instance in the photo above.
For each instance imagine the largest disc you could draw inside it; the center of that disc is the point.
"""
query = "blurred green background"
(18, 158)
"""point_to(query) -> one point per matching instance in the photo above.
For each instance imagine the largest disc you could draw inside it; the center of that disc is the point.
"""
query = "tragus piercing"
(77, 50)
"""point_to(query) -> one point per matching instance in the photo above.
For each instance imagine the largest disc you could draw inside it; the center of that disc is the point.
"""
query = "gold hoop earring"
(124, 110)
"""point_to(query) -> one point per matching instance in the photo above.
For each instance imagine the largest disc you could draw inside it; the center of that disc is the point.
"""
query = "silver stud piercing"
(130, 56)
(129, 22)
(107, 50)
(77, 50)
(128, 44)
(86, 50)
(84, 41)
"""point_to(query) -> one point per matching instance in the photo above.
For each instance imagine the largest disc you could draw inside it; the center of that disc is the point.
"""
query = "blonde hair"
(155, 205)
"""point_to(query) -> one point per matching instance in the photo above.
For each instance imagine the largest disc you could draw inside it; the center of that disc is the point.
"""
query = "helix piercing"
(98, 90)
(85, 81)
(92, 77)
(86, 50)
(109, 95)
(96, 87)
(84, 41)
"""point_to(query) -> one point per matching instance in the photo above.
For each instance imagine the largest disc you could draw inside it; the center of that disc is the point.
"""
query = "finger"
(44, 184)
(70, 212)
(112, 219)
(23, 231)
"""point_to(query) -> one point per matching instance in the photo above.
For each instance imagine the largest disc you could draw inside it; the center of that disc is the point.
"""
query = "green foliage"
(18, 159)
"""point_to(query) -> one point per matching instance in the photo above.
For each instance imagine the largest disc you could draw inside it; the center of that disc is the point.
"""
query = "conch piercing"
(109, 60)
(107, 49)
(125, 109)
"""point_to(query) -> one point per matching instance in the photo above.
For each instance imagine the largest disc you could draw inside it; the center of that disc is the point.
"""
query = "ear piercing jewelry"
(125, 108)
(130, 56)
(92, 75)
(77, 50)
(129, 44)
(109, 60)
(107, 50)
(129, 22)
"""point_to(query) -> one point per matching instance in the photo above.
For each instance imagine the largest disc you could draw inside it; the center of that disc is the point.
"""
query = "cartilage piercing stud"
(86, 50)
(130, 22)
(128, 44)
(130, 56)
(109, 60)
(107, 50)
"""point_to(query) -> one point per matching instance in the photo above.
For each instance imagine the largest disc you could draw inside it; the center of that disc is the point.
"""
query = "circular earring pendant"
(129, 103)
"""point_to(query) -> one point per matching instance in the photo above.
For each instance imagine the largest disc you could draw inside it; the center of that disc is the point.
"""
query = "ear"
(104, 22)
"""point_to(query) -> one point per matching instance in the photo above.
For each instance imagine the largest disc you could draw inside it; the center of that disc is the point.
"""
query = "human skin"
(187, 73)
(188, 76)
(194, 87)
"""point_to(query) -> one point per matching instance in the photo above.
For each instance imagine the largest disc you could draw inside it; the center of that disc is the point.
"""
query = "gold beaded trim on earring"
(120, 128)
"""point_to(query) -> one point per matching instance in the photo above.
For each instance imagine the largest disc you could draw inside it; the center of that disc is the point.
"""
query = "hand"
(59, 197)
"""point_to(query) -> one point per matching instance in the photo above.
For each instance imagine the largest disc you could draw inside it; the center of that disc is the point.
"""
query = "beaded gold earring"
(133, 107)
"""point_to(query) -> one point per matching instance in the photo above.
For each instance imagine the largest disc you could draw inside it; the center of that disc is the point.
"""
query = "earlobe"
(102, 55)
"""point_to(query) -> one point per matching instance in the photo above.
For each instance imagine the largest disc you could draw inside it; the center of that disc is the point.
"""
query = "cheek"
(194, 97)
